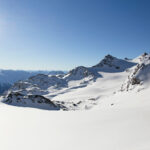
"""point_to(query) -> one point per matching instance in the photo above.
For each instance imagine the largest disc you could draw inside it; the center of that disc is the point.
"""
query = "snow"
(89, 95)
(114, 128)
(114, 120)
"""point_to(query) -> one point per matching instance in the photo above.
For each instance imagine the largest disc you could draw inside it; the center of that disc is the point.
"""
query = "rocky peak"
(79, 73)
(140, 74)
(108, 59)
(113, 64)
(140, 58)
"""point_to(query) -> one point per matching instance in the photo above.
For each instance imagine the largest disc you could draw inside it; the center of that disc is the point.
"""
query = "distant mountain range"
(9, 77)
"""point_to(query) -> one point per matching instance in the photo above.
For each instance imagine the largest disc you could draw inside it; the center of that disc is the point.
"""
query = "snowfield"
(109, 129)
(90, 95)
(116, 101)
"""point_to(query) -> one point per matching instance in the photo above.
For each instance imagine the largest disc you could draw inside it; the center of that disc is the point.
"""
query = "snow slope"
(117, 120)
(88, 97)
(119, 127)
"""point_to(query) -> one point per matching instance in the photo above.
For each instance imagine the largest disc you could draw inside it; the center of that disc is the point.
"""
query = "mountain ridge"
(51, 86)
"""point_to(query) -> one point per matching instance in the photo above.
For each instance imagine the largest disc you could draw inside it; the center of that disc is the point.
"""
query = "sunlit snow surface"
(125, 126)
(114, 120)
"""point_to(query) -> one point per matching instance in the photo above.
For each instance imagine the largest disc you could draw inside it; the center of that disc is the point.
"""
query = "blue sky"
(63, 34)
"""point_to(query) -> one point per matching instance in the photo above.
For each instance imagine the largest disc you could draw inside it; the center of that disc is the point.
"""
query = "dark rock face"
(37, 101)
(139, 75)
(13, 95)
(145, 54)
(135, 81)
(41, 99)
(132, 79)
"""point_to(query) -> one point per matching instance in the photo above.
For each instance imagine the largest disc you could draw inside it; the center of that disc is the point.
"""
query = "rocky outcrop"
(140, 74)
(37, 101)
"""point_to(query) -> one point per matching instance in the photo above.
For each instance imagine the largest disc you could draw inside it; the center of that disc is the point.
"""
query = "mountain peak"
(109, 56)
(140, 75)
(106, 61)
(113, 64)
(140, 58)
(79, 73)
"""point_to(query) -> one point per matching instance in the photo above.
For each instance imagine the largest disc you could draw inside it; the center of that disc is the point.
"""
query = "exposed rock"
(139, 75)
(37, 101)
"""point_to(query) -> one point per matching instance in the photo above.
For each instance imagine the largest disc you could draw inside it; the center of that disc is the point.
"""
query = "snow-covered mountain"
(79, 73)
(139, 78)
(113, 64)
(9, 77)
(118, 101)
(52, 86)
